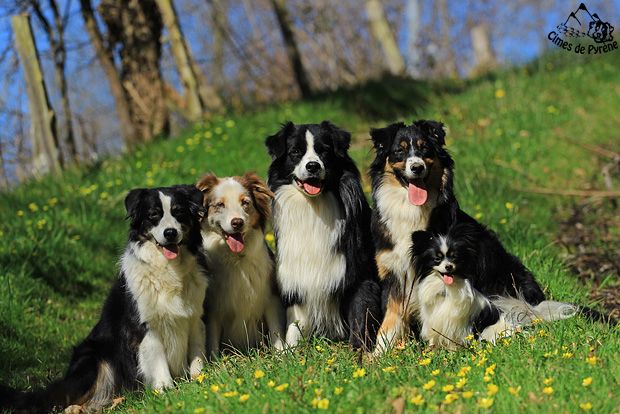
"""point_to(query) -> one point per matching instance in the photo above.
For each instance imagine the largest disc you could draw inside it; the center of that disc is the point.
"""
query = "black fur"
(359, 295)
(118, 333)
(504, 274)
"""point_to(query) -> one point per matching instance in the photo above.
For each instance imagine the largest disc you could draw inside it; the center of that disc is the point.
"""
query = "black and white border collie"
(325, 264)
(243, 304)
(150, 329)
(412, 187)
(455, 269)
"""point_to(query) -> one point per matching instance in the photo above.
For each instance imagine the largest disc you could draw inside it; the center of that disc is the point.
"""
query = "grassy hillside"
(510, 131)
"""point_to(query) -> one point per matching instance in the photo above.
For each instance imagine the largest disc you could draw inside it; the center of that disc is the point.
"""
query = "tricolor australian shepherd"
(325, 264)
(243, 304)
(150, 330)
(412, 187)
(454, 270)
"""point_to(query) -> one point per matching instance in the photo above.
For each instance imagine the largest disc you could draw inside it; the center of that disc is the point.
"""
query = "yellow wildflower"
(548, 381)
(450, 398)
(33, 207)
(215, 388)
(500, 93)
(302, 361)
(586, 406)
(435, 372)
(548, 390)
(492, 389)
(331, 361)
(389, 369)
(199, 410)
(590, 360)
(20, 213)
(509, 205)
(461, 383)
(239, 381)
(229, 394)
(230, 123)
(467, 394)
(417, 400)
(259, 373)
(464, 371)
(447, 388)
(358, 373)
(478, 216)
(323, 404)
(244, 397)
(567, 355)
(338, 390)
(271, 384)
(490, 370)
(200, 378)
(485, 402)
(282, 387)
(52, 201)
(429, 384)
(424, 361)
(319, 348)
(587, 382)
(514, 390)
(486, 378)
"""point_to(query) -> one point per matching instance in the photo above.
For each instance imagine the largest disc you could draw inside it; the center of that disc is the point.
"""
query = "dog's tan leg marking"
(392, 327)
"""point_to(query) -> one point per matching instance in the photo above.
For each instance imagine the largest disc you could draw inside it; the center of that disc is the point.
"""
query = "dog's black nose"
(417, 168)
(313, 167)
(170, 234)
(449, 267)
(237, 223)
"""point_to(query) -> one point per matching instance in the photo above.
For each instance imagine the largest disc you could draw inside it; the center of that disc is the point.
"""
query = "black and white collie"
(412, 187)
(325, 264)
(458, 294)
(243, 304)
(150, 330)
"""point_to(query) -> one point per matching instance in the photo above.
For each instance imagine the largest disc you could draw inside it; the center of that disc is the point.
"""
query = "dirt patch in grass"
(590, 233)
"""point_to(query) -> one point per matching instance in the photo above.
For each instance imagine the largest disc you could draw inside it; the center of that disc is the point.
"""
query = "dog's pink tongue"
(171, 252)
(448, 280)
(235, 242)
(311, 189)
(417, 195)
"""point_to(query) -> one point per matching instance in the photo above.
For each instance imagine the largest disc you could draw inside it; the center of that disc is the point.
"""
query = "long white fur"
(401, 219)
(308, 232)
(169, 296)
(446, 311)
(240, 295)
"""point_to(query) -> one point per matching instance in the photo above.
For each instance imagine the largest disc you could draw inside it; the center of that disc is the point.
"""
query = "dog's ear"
(132, 201)
(341, 139)
(382, 138)
(276, 144)
(205, 185)
(261, 194)
(433, 129)
(196, 201)
(421, 241)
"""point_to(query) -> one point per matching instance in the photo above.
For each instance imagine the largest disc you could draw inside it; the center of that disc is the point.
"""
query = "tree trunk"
(414, 27)
(449, 60)
(218, 21)
(60, 59)
(135, 28)
(106, 59)
(484, 57)
(380, 29)
(192, 84)
(45, 154)
(292, 51)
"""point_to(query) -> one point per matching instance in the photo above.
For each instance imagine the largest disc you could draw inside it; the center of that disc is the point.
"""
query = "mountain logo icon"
(582, 23)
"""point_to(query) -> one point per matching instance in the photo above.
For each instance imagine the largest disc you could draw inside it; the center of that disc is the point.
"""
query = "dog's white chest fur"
(401, 219)
(446, 311)
(308, 262)
(240, 291)
(169, 296)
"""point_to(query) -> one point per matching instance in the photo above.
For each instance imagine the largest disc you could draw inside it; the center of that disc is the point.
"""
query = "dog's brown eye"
(245, 203)
(220, 205)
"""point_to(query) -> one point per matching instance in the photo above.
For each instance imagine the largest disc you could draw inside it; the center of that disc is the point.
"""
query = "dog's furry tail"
(90, 386)
(517, 312)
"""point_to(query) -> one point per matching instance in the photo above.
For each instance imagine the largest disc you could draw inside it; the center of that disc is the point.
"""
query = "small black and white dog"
(412, 187)
(325, 265)
(150, 329)
(459, 293)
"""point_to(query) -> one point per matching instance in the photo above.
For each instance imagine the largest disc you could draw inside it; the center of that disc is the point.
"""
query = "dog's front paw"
(195, 367)
(162, 384)
(279, 344)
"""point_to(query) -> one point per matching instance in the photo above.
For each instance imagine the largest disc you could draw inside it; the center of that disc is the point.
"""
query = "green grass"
(62, 237)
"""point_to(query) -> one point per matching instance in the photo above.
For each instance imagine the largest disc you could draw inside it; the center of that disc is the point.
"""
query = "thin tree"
(292, 49)
(380, 29)
(105, 57)
(45, 153)
(56, 37)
